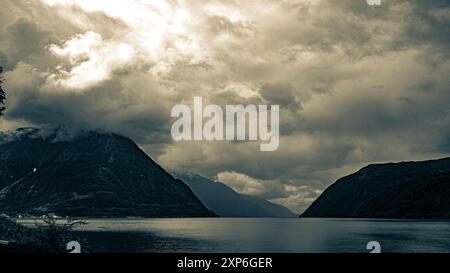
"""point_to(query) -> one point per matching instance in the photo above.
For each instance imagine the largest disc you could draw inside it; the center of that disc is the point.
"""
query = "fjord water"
(262, 235)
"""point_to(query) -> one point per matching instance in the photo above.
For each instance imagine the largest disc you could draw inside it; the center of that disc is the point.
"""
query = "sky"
(356, 84)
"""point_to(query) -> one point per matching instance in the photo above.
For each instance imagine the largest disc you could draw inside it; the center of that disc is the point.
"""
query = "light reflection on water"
(262, 235)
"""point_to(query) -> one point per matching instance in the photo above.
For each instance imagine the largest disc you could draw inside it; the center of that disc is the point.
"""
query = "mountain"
(90, 174)
(225, 202)
(272, 209)
(414, 190)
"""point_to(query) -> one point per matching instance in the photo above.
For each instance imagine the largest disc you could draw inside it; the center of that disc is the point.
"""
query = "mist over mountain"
(87, 174)
(393, 190)
(225, 202)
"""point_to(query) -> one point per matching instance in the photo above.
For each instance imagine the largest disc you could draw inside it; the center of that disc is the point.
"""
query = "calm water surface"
(262, 235)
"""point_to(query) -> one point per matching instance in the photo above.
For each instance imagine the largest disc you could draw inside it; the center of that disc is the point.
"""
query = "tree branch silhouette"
(2, 92)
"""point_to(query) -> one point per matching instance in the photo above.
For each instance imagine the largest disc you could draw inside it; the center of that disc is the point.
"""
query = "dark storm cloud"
(144, 121)
(281, 94)
(356, 83)
(26, 42)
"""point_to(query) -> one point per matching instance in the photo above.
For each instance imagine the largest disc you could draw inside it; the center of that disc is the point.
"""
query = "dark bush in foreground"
(49, 236)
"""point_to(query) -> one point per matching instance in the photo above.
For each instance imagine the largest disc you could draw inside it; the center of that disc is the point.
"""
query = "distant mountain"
(225, 202)
(394, 190)
(87, 174)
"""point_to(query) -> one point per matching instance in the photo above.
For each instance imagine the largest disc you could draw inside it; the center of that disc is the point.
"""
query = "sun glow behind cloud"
(158, 35)
(91, 60)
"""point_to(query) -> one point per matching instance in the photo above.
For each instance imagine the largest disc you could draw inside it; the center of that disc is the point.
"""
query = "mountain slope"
(89, 174)
(225, 202)
(394, 190)
(272, 209)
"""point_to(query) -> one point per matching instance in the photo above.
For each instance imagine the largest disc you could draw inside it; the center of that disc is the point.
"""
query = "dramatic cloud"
(92, 60)
(356, 84)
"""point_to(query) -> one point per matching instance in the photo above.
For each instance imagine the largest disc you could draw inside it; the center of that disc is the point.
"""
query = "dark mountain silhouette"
(394, 190)
(225, 202)
(88, 174)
